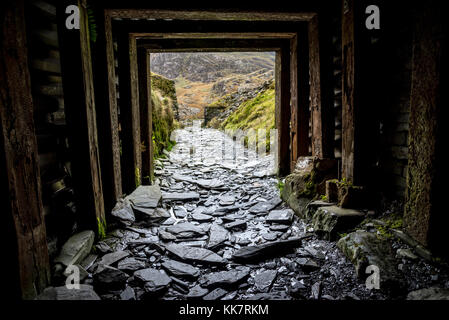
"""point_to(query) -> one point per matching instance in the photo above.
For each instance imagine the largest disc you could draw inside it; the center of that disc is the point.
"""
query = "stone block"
(331, 220)
(365, 249)
(76, 248)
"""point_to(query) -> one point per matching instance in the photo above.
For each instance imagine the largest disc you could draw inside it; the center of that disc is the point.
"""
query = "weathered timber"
(79, 103)
(294, 102)
(135, 111)
(321, 90)
(146, 130)
(209, 15)
(106, 102)
(348, 117)
(303, 115)
(129, 115)
(28, 269)
(282, 79)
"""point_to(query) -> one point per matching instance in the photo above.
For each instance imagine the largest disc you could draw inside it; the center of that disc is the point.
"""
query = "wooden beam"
(24, 224)
(145, 106)
(135, 111)
(320, 62)
(106, 102)
(282, 82)
(303, 114)
(129, 113)
(221, 35)
(79, 105)
(220, 45)
(294, 102)
(348, 88)
(209, 15)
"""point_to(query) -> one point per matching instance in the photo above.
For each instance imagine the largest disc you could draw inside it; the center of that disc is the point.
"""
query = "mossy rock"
(364, 249)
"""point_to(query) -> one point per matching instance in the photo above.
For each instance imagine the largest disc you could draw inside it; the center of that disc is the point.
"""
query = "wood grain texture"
(20, 158)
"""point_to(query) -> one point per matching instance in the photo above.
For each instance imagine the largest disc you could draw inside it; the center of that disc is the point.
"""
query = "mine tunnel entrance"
(80, 108)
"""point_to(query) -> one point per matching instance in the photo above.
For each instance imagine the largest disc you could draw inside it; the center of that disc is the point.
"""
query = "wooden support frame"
(287, 162)
(321, 107)
(303, 114)
(283, 73)
(79, 104)
(27, 255)
(129, 113)
(106, 102)
(146, 118)
(348, 88)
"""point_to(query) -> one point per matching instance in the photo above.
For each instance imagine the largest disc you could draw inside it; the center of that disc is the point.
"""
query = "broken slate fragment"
(111, 258)
(215, 294)
(145, 197)
(202, 217)
(217, 236)
(128, 294)
(154, 280)
(265, 206)
(194, 254)
(124, 212)
(76, 248)
(238, 224)
(225, 278)
(264, 280)
(166, 236)
(197, 292)
(179, 269)
(307, 264)
(131, 264)
(280, 216)
(185, 230)
(264, 251)
(180, 196)
(110, 279)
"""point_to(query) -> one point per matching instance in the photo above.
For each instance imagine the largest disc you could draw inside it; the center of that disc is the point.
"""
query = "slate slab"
(194, 254)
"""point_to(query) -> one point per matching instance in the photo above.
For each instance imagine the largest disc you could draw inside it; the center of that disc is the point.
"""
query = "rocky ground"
(214, 227)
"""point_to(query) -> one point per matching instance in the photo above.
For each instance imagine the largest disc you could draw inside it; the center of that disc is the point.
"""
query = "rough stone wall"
(211, 112)
(394, 124)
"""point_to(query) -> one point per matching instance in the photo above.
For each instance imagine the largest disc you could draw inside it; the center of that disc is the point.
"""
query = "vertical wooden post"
(348, 88)
(135, 110)
(106, 101)
(282, 83)
(146, 130)
(303, 93)
(26, 256)
(79, 103)
(129, 113)
(320, 62)
(294, 102)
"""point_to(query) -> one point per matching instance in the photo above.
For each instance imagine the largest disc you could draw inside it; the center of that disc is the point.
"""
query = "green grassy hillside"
(256, 113)
(164, 102)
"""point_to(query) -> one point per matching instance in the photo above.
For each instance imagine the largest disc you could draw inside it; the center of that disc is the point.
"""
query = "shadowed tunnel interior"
(224, 153)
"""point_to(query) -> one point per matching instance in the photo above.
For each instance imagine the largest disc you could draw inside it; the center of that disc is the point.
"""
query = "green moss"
(162, 115)
(257, 113)
(101, 224)
(137, 177)
(280, 186)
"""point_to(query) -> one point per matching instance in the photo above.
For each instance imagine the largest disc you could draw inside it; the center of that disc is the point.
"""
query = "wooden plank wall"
(81, 118)
(19, 163)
